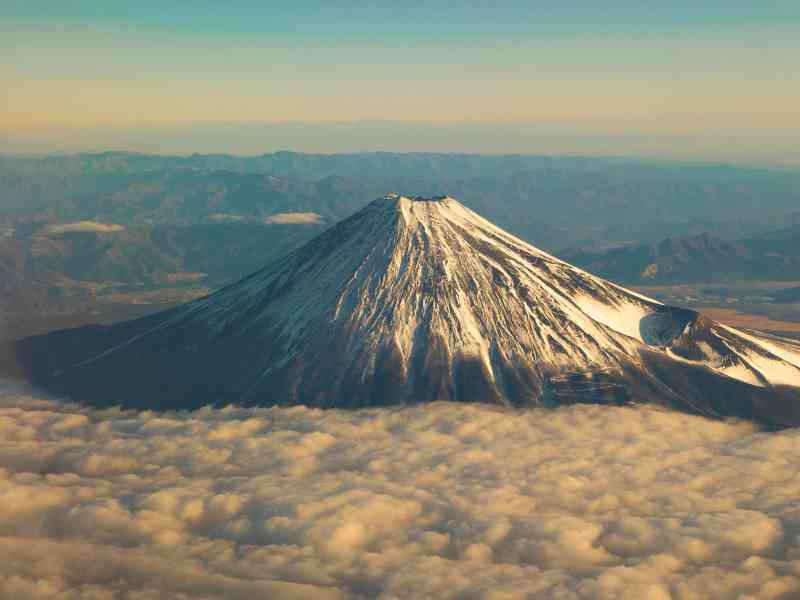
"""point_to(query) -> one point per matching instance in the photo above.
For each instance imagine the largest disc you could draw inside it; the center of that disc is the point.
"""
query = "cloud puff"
(226, 217)
(82, 226)
(294, 218)
(436, 501)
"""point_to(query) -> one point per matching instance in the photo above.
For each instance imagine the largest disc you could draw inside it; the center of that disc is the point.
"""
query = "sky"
(710, 80)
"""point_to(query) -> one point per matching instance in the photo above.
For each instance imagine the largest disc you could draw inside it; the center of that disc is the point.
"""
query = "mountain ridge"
(703, 258)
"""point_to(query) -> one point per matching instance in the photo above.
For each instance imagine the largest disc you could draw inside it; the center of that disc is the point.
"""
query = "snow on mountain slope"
(417, 273)
(754, 358)
(417, 299)
(434, 266)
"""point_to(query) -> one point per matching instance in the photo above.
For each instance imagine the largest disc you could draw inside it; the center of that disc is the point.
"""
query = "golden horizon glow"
(84, 85)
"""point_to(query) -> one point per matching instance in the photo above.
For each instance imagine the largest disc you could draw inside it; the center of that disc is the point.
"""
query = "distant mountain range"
(556, 202)
(790, 295)
(172, 197)
(53, 270)
(774, 255)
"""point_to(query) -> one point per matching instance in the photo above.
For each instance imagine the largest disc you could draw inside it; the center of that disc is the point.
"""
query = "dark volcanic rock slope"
(415, 300)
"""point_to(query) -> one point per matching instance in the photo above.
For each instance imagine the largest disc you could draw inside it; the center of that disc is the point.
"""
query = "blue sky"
(412, 19)
(84, 74)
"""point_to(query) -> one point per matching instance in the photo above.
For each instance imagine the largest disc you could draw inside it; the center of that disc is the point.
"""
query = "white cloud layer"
(438, 501)
(83, 226)
(295, 218)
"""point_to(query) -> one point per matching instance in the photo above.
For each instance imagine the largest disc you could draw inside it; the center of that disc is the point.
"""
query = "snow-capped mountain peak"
(417, 299)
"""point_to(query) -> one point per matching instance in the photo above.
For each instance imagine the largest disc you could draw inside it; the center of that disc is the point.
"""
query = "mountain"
(789, 295)
(704, 258)
(416, 300)
(175, 197)
(558, 202)
(777, 243)
(57, 269)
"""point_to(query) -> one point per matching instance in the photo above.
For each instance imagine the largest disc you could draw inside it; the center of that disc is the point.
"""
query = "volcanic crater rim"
(400, 197)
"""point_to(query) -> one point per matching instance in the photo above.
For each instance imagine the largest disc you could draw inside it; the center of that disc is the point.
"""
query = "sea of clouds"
(436, 501)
